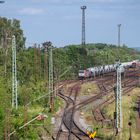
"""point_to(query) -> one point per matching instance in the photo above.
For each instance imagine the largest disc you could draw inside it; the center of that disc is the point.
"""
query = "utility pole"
(83, 25)
(14, 74)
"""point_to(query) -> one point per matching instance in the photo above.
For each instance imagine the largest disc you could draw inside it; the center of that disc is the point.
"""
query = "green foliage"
(30, 74)
(89, 56)
(8, 28)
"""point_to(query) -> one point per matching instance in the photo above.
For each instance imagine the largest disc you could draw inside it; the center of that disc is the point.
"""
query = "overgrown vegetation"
(32, 79)
(129, 115)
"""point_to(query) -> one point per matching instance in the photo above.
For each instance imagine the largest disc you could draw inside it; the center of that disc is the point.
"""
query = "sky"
(59, 21)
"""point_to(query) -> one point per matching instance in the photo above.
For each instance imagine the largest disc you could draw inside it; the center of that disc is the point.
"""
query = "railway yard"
(54, 86)
(94, 109)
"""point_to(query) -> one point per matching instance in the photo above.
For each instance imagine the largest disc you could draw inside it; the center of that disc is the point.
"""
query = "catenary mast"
(118, 89)
(14, 74)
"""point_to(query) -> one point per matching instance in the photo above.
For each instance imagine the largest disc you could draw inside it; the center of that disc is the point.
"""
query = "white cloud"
(31, 11)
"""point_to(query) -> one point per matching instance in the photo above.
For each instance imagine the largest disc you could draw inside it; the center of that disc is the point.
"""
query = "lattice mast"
(118, 98)
(14, 74)
(48, 69)
(51, 84)
(83, 26)
(118, 88)
(35, 61)
(45, 62)
(119, 34)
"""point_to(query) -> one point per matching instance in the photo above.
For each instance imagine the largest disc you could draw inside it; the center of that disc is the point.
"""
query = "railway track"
(98, 115)
(68, 115)
(106, 86)
(128, 85)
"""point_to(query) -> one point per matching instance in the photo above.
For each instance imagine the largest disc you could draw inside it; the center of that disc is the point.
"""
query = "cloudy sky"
(59, 21)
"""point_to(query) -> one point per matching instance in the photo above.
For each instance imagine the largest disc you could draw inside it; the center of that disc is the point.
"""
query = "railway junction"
(88, 91)
(90, 109)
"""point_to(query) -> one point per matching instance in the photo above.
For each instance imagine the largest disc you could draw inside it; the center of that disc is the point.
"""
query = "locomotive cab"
(81, 74)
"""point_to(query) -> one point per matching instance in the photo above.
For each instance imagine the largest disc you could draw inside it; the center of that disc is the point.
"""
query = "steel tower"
(51, 86)
(118, 89)
(119, 26)
(14, 74)
(83, 25)
(45, 61)
(118, 98)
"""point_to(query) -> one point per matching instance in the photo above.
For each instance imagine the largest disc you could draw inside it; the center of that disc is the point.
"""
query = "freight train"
(99, 70)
